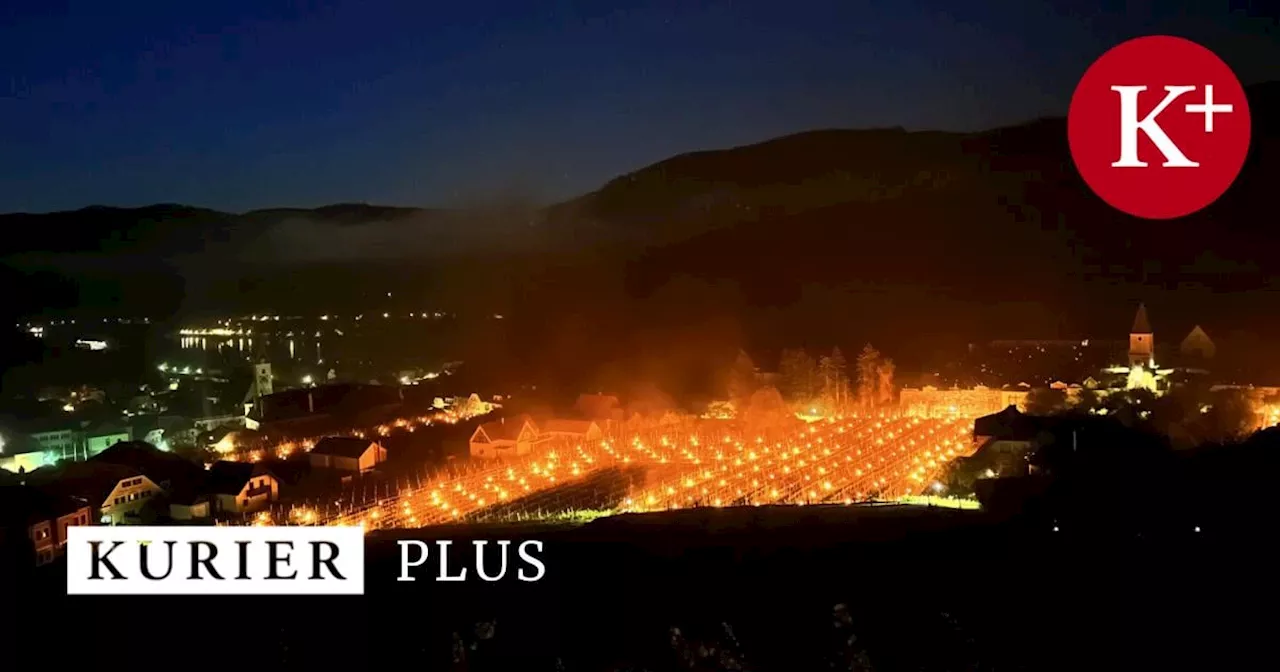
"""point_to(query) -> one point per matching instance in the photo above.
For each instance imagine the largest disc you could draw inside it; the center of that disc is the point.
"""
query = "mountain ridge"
(882, 157)
(846, 225)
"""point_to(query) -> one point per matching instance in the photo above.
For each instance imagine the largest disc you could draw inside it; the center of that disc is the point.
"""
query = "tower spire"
(1142, 340)
(1141, 325)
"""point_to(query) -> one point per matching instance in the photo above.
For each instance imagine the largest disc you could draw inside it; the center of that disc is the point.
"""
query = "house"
(25, 456)
(165, 469)
(294, 476)
(31, 442)
(60, 440)
(294, 410)
(471, 406)
(119, 494)
(102, 437)
(347, 453)
(189, 503)
(503, 438)
(41, 518)
(239, 487)
(570, 429)
(599, 407)
(1008, 430)
(207, 423)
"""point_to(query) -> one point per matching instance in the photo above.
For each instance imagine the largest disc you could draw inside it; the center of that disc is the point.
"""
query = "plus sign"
(1208, 109)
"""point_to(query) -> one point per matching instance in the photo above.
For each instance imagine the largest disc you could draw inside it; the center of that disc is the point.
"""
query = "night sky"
(240, 104)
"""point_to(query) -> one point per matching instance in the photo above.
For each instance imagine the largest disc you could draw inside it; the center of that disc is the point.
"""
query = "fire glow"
(837, 461)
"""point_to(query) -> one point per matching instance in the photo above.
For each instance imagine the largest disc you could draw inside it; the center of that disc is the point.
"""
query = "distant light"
(91, 344)
(937, 487)
(386, 314)
(404, 380)
(163, 367)
(68, 408)
(1055, 528)
(306, 380)
(388, 294)
(324, 318)
(431, 375)
(497, 316)
(991, 473)
(1197, 528)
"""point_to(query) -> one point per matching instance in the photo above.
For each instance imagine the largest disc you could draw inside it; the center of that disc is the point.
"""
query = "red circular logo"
(1159, 127)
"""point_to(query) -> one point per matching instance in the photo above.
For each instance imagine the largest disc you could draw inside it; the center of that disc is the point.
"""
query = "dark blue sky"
(239, 104)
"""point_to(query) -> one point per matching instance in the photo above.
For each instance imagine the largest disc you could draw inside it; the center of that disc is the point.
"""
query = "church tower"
(1142, 341)
(259, 388)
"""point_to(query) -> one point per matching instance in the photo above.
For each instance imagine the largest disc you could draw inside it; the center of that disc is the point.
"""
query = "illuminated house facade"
(570, 429)
(930, 402)
(42, 518)
(27, 446)
(347, 453)
(239, 487)
(503, 438)
(118, 494)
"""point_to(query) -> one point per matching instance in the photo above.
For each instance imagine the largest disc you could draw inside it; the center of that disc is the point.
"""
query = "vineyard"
(845, 460)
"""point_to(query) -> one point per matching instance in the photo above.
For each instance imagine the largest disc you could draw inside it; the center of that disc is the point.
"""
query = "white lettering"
(502, 546)
(121, 560)
(541, 568)
(1130, 125)
(1208, 109)
(444, 564)
(405, 563)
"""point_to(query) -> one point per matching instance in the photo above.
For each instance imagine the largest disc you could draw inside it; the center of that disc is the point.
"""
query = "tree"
(798, 374)
(841, 377)
(1045, 401)
(766, 408)
(834, 379)
(742, 380)
(1232, 415)
(1087, 400)
(868, 367)
(959, 475)
(884, 382)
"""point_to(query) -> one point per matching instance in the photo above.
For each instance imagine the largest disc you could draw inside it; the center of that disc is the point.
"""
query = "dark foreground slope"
(925, 590)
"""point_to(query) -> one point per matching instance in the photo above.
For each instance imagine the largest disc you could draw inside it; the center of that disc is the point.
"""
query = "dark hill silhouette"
(904, 231)
(338, 213)
(165, 228)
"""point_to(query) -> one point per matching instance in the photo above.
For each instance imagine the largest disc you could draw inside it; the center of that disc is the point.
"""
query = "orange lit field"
(846, 460)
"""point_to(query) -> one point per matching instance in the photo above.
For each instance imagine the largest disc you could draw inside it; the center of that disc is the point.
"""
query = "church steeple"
(1142, 340)
(1140, 323)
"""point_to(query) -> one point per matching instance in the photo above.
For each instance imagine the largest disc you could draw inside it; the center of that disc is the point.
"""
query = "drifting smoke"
(419, 235)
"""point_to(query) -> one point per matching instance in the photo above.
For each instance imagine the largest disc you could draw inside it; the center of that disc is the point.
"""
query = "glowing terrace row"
(847, 461)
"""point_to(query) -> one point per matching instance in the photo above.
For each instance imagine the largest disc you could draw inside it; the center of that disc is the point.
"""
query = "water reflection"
(352, 352)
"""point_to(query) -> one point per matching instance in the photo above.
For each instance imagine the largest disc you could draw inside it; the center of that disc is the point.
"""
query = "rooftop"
(341, 446)
(26, 505)
(91, 480)
(228, 478)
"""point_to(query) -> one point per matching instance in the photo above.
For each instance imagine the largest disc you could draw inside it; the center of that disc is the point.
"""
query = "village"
(394, 456)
